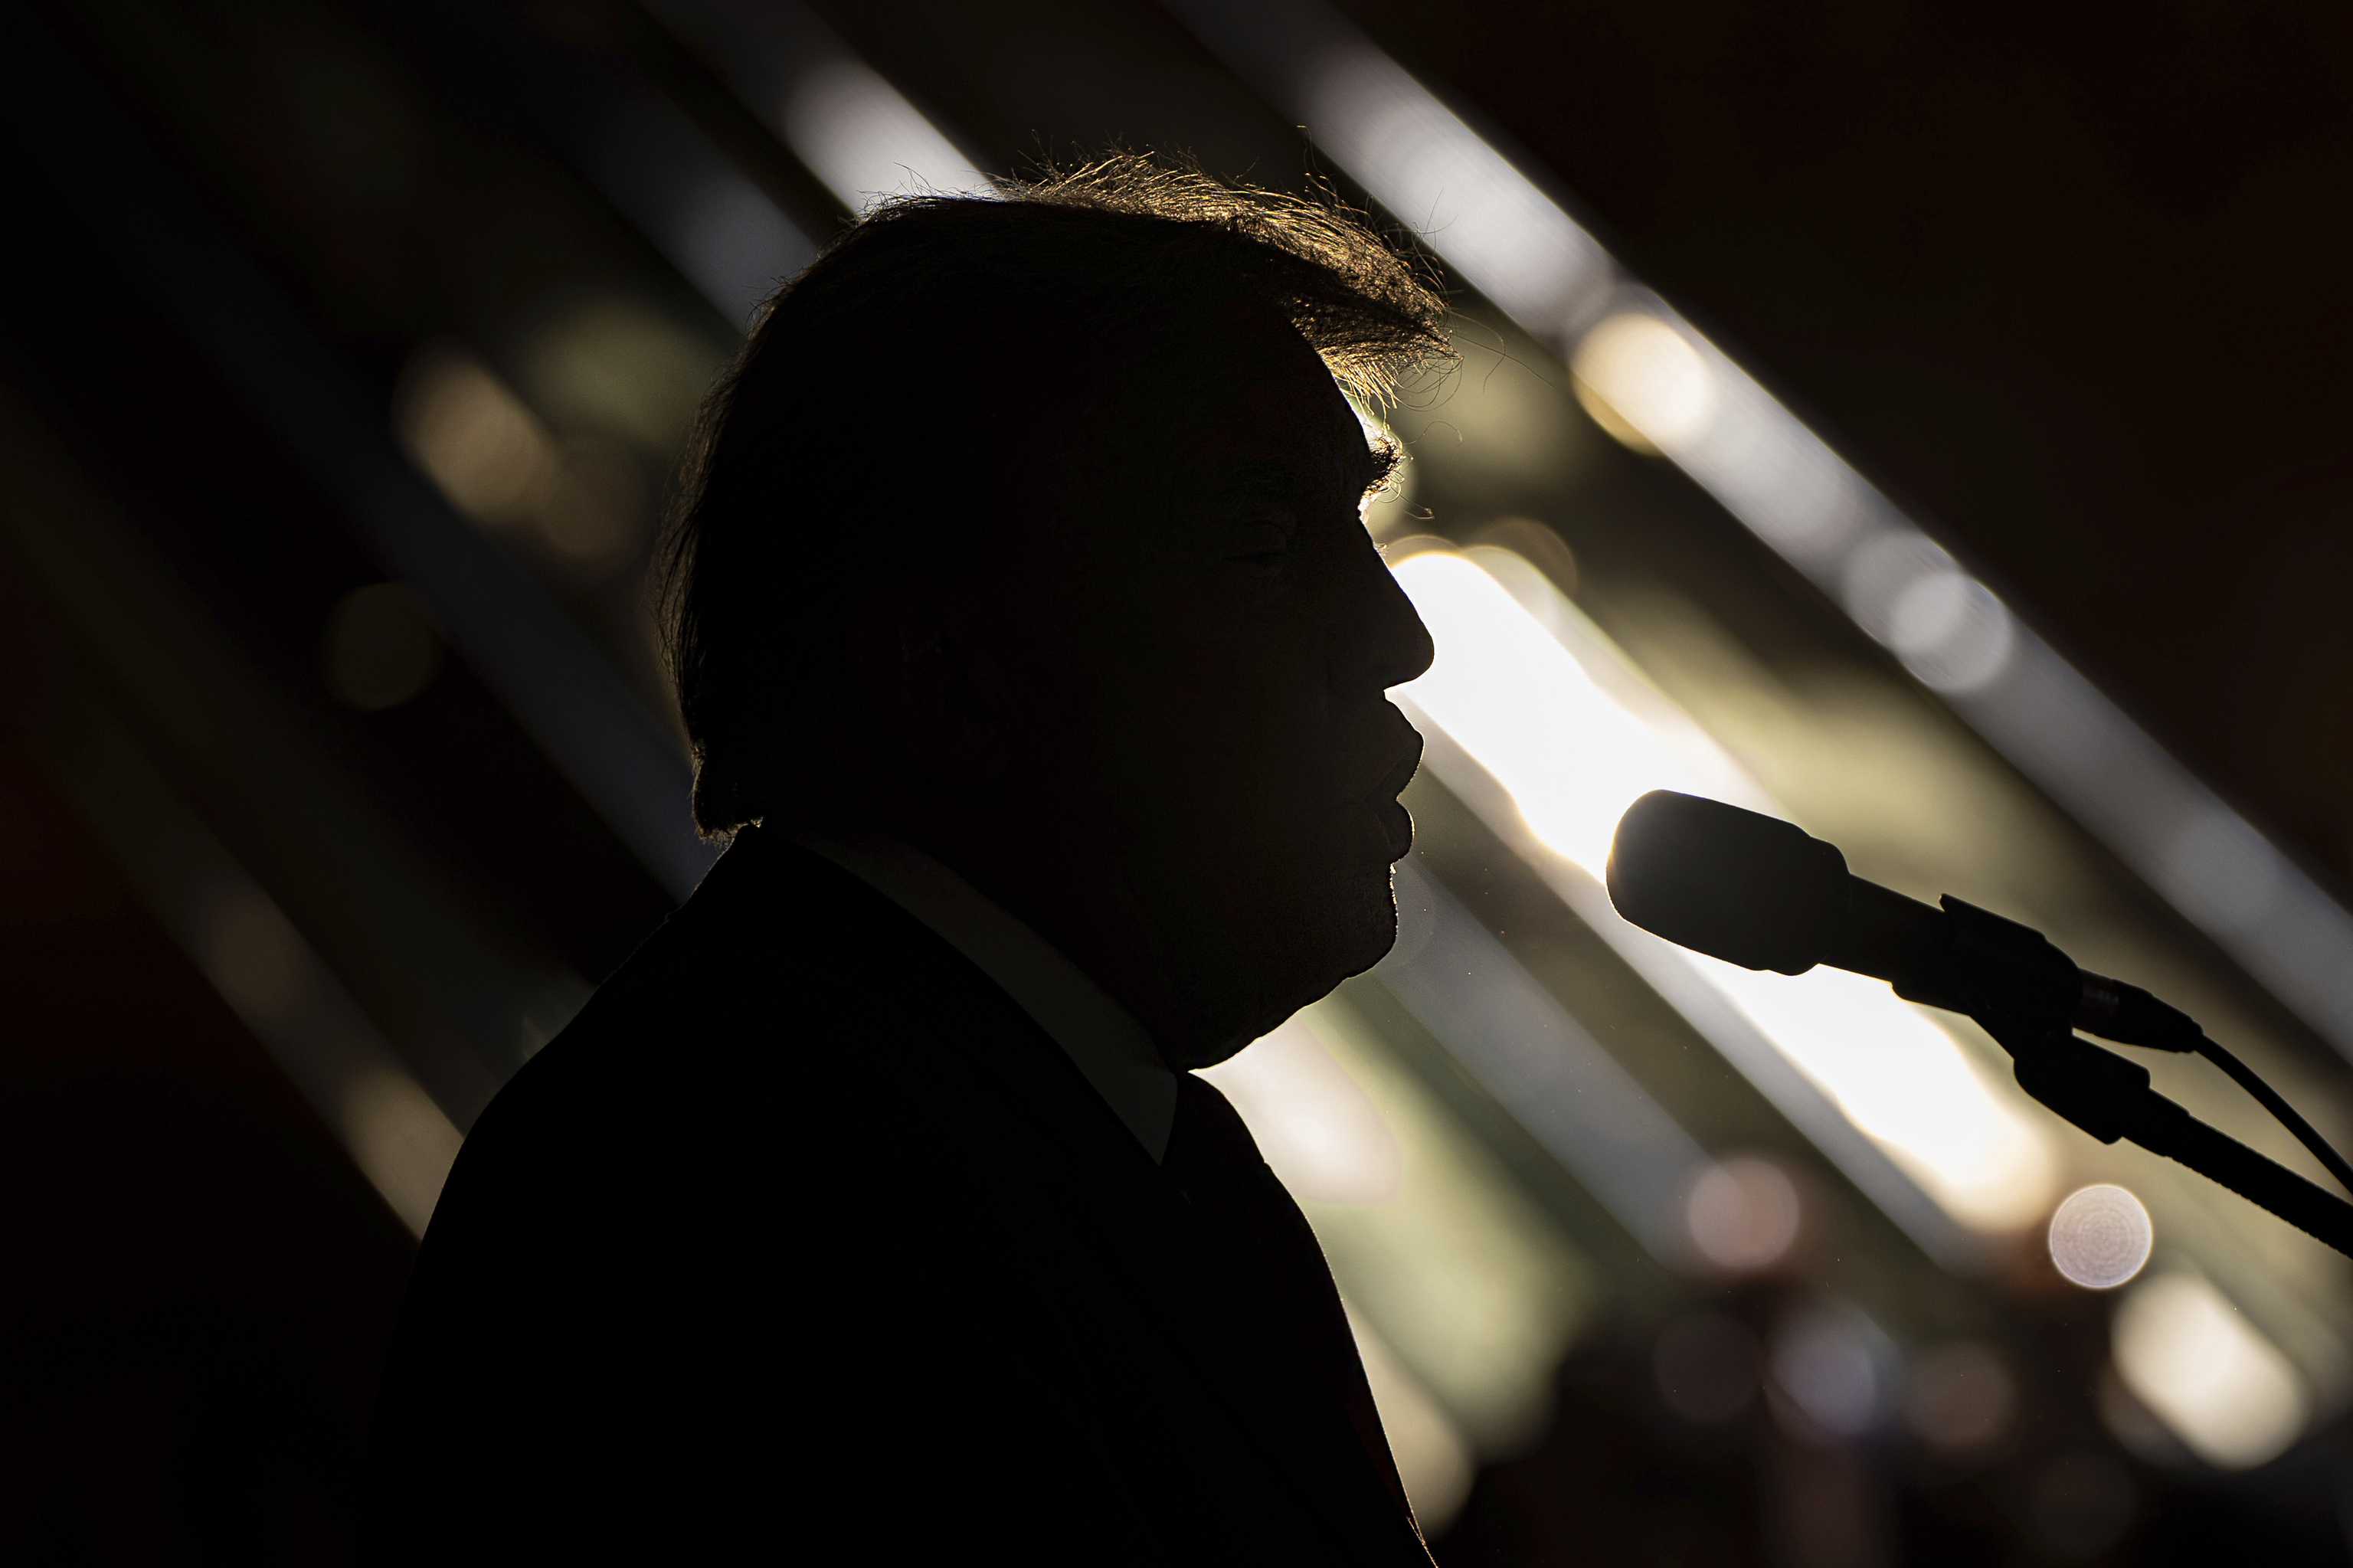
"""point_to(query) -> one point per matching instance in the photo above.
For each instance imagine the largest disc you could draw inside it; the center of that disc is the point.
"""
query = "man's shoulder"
(789, 1032)
(784, 992)
(770, 923)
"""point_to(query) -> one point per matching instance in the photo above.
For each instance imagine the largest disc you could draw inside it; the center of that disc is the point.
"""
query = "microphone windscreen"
(1749, 889)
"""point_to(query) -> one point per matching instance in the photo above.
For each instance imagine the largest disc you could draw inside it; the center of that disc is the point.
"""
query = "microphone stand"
(2109, 1097)
(1759, 892)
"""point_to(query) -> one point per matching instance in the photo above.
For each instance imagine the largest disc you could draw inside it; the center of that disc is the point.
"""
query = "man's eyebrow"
(1286, 483)
(1255, 477)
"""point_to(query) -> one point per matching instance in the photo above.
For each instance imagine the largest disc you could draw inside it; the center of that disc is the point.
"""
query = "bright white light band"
(2189, 1354)
(1506, 237)
(1526, 695)
(716, 227)
(326, 1043)
(1544, 1067)
(854, 131)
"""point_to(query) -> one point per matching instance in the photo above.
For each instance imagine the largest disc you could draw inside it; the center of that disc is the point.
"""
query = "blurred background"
(1925, 426)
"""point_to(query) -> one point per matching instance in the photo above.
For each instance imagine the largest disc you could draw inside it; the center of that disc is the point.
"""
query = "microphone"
(1761, 892)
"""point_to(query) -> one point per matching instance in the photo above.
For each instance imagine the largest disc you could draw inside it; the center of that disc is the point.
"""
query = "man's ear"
(934, 696)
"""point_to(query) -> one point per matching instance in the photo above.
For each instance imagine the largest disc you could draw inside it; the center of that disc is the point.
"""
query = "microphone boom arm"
(1761, 892)
(2110, 1097)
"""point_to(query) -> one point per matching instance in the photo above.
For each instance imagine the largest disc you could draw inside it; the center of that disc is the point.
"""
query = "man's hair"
(894, 395)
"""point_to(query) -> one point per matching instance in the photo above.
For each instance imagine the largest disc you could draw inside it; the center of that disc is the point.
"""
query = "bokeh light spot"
(1648, 374)
(2100, 1237)
(1743, 1214)
(2188, 1353)
(1950, 631)
(1961, 1398)
(1826, 1359)
(381, 649)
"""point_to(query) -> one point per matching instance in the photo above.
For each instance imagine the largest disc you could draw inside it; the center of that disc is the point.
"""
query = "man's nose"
(1383, 642)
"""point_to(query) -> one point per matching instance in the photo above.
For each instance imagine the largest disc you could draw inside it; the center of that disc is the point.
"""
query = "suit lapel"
(1037, 1119)
(1194, 1285)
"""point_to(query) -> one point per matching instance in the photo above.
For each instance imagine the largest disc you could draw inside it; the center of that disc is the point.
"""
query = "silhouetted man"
(1034, 654)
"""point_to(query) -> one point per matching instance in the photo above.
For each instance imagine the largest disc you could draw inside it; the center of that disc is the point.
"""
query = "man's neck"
(1064, 884)
(1103, 1039)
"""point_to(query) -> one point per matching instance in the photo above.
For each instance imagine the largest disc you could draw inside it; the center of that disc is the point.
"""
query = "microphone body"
(1761, 892)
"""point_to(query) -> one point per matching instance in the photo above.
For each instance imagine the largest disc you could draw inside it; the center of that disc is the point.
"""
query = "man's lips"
(1400, 774)
(1396, 826)
(1395, 820)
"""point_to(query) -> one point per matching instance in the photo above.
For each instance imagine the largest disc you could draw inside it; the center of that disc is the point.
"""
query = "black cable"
(2284, 1113)
(2160, 1126)
(2109, 1097)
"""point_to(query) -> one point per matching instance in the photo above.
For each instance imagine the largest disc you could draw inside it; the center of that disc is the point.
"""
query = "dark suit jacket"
(805, 1238)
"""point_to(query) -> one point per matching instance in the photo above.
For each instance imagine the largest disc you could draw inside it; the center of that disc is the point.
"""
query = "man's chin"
(1328, 928)
(1361, 930)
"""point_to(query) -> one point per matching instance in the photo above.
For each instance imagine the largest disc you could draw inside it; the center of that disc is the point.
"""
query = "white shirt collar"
(1102, 1038)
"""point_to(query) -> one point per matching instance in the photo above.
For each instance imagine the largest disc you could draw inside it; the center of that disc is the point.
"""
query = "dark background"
(2070, 282)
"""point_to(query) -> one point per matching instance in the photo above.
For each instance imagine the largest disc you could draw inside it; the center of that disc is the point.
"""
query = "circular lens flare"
(1743, 1214)
(2100, 1237)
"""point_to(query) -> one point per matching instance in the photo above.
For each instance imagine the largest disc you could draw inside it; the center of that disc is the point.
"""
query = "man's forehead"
(1220, 407)
(1273, 406)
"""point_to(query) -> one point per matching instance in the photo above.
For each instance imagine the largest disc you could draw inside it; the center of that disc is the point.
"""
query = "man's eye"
(1261, 547)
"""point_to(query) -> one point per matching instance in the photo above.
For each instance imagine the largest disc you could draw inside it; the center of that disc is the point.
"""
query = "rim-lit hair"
(899, 388)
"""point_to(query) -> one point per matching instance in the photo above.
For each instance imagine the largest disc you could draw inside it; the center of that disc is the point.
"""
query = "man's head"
(1028, 531)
